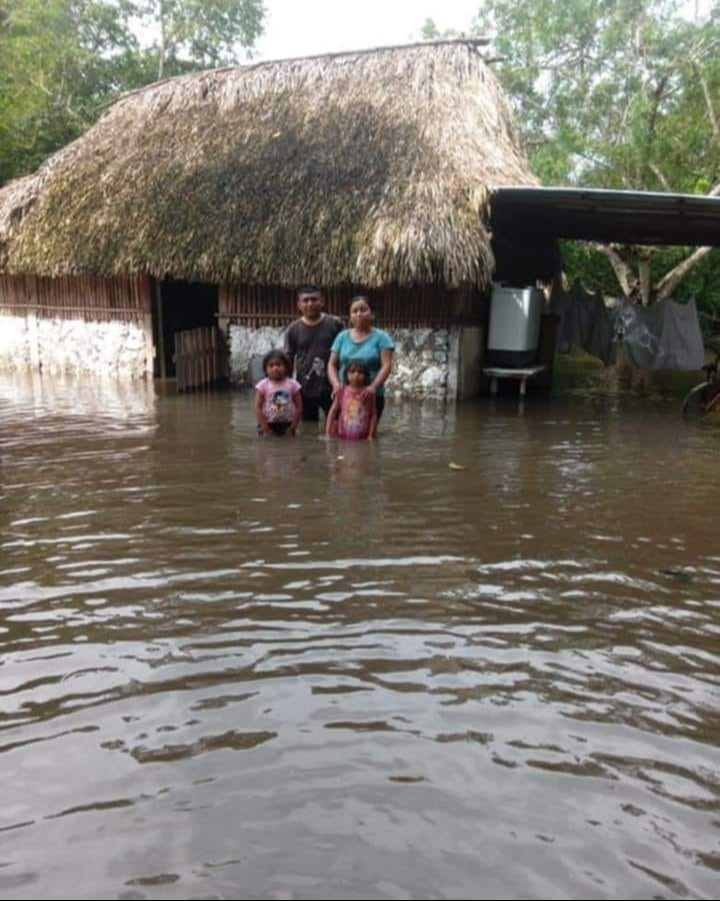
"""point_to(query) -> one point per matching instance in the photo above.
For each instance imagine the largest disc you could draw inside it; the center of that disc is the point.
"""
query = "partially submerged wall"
(421, 365)
(104, 326)
(73, 345)
(76, 325)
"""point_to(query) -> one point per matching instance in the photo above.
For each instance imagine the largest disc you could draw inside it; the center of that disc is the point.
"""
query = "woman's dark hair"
(360, 367)
(365, 298)
(276, 354)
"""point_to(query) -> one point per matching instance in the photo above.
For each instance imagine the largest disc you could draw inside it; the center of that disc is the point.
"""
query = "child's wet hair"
(276, 354)
(358, 366)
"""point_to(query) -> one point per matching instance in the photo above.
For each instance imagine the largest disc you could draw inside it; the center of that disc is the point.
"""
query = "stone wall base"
(437, 364)
(117, 348)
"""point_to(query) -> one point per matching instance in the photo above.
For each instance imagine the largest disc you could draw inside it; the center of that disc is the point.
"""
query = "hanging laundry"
(585, 322)
(665, 335)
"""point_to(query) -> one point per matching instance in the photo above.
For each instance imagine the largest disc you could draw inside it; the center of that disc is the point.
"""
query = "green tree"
(431, 32)
(64, 60)
(191, 34)
(615, 94)
(59, 61)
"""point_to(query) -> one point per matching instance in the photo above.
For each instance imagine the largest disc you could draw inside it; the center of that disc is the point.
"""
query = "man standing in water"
(307, 344)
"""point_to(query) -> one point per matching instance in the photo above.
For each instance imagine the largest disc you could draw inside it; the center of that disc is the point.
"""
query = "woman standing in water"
(362, 343)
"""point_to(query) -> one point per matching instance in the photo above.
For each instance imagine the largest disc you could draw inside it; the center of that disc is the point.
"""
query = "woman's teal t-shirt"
(366, 351)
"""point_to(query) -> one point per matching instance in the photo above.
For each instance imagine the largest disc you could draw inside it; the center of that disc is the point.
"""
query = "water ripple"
(234, 668)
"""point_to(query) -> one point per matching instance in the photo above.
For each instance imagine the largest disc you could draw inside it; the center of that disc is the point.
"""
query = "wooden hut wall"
(76, 297)
(424, 306)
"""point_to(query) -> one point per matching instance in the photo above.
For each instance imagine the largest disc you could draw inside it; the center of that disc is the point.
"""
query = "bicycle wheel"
(713, 404)
(696, 400)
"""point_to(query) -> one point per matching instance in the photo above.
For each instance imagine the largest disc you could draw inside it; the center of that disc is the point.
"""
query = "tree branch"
(708, 102)
(668, 284)
(56, 96)
(660, 177)
(620, 268)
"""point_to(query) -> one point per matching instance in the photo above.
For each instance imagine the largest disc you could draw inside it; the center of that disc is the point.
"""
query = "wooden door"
(200, 358)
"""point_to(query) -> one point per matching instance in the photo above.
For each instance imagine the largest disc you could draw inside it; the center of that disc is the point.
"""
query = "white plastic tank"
(514, 331)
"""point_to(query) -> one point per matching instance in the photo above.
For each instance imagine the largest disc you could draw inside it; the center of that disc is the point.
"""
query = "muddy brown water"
(233, 668)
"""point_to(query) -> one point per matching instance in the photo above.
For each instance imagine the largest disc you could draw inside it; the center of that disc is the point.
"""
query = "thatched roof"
(368, 168)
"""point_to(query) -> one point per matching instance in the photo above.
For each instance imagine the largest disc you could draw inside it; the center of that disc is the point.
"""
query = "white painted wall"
(117, 348)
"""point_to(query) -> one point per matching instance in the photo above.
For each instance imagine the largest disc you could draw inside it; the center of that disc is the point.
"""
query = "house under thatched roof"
(367, 168)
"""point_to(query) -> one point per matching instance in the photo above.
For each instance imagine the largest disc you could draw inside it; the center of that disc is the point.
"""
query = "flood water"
(238, 668)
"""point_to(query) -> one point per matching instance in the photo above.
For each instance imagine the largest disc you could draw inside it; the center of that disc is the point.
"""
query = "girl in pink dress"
(353, 414)
(278, 401)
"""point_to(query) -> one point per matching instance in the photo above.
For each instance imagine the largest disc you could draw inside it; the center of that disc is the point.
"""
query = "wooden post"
(143, 288)
(179, 362)
(161, 333)
(33, 334)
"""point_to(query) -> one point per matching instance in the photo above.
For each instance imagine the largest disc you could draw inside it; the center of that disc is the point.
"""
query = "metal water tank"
(514, 331)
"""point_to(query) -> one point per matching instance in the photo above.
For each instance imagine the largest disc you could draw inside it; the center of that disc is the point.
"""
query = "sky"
(308, 27)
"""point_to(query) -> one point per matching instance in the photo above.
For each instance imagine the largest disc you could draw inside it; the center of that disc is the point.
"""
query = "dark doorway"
(178, 307)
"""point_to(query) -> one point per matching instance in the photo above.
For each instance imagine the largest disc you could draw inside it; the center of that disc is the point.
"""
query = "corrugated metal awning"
(623, 217)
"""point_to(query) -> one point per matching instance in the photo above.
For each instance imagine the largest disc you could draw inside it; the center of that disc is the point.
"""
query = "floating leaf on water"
(679, 574)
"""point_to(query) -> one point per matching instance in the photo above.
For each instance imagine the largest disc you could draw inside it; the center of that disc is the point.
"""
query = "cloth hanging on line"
(665, 335)
(585, 322)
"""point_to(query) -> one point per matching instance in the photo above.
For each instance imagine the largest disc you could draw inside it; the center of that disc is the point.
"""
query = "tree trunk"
(640, 287)
(620, 268)
(645, 278)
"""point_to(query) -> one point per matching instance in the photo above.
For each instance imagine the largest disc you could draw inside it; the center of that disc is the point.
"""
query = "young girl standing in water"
(278, 401)
(353, 414)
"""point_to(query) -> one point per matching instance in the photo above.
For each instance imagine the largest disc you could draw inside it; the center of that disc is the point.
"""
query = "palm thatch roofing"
(370, 167)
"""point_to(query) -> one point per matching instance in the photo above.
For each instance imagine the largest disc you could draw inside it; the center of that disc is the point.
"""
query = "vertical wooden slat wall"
(427, 306)
(97, 299)
(200, 358)
(76, 297)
